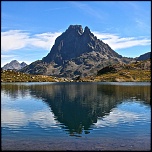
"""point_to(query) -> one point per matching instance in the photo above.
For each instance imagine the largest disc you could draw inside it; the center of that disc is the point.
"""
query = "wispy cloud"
(57, 8)
(7, 56)
(116, 42)
(140, 23)
(89, 10)
(140, 15)
(15, 42)
(17, 39)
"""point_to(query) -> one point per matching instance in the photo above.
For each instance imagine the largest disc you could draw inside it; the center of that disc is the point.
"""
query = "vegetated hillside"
(13, 76)
(15, 65)
(76, 52)
(136, 71)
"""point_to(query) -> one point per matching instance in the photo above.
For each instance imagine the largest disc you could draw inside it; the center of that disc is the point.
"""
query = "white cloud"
(13, 39)
(116, 42)
(7, 56)
(17, 39)
(44, 40)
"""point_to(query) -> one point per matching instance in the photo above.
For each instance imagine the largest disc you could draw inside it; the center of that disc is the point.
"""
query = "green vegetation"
(121, 76)
(13, 76)
(126, 75)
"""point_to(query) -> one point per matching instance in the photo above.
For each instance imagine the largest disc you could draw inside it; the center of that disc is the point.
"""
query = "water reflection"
(77, 106)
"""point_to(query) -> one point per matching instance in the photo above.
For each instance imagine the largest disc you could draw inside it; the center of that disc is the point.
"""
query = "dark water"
(75, 116)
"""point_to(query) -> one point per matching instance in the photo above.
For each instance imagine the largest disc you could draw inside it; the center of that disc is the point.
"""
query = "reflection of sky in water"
(48, 111)
(128, 112)
(22, 111)
(13, 118)
(126, 83)
(81, 115)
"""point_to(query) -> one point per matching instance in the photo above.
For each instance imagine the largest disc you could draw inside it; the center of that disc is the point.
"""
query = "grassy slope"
(12, 76)
(126, 76)
(138, 71)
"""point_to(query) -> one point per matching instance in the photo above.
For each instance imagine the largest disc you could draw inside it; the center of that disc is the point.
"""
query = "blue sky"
(29, 28)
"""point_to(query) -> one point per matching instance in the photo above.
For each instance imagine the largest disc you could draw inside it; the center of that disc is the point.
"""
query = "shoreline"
(78, 144)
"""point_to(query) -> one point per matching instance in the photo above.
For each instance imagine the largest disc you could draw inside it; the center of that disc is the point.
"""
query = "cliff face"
(74, 42)
(76, 52)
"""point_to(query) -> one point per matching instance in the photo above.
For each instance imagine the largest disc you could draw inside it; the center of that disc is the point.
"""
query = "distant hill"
(144, 56)
(14, 65)
(76, 52)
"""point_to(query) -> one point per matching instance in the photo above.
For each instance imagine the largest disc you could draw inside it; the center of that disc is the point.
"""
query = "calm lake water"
(76, 116)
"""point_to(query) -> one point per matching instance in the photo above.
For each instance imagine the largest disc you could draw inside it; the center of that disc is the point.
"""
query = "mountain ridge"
(15, 65)
(144, 56)
(138, 71)
(76, 52)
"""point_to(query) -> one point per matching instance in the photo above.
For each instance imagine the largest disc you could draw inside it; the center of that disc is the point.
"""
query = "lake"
(76, 116)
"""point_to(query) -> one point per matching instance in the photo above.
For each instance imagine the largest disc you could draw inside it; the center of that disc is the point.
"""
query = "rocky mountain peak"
(14, 61)
(78, 29)
(74, 42)
(23, 64)
(14, 64)
(75, 29)
(87, 30)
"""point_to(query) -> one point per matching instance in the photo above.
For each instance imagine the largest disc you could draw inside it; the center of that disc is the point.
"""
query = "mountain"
(144, 56)
(76, 52)
(14, 64)
(74, 43)
(23, 64)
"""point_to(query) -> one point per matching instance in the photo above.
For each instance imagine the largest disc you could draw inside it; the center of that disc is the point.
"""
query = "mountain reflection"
(77, 106)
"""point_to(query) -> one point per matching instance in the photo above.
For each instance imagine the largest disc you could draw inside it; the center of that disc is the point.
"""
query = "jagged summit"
(76, 28)
(87, 30)
(74, 42)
